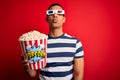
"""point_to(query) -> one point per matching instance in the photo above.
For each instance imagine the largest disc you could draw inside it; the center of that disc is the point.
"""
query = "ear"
(64, 19)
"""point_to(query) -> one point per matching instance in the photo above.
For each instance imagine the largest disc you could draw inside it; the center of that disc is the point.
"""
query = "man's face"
(55, 20)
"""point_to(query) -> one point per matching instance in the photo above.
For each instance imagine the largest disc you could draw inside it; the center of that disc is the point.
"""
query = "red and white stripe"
(40, 64)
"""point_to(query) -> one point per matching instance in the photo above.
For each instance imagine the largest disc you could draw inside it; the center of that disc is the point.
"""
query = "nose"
(55, 15)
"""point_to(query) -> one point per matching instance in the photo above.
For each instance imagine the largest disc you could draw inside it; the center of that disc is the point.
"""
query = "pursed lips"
(55, 20)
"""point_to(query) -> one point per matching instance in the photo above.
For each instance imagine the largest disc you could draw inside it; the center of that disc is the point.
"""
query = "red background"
(94, 22)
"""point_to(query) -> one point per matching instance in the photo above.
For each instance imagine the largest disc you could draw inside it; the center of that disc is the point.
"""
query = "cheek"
(49, 20)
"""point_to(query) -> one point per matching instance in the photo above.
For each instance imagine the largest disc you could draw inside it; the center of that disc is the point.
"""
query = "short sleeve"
(79, 53)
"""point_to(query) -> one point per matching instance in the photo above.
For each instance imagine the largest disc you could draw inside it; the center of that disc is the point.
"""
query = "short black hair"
(55, 4)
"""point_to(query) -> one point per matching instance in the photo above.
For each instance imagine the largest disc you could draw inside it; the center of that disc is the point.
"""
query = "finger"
(22, 57)
(26, 67)
(25, 61)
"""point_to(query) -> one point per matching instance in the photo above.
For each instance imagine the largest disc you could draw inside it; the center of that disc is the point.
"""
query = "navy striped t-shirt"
(61, 52)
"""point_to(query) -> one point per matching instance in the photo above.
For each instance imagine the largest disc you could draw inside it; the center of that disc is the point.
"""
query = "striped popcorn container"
(35, 51)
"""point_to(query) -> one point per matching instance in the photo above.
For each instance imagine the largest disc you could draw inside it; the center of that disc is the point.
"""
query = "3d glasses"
(51, 12)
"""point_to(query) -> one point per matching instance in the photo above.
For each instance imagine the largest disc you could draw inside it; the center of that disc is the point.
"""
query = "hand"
(25, 62)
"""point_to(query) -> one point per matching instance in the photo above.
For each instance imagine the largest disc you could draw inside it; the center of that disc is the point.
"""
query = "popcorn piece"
(32, 35)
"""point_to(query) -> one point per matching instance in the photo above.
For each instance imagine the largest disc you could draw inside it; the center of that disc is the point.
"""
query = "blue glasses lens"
(50, 12)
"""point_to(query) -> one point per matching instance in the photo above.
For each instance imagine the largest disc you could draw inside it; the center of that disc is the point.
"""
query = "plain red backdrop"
(94, 22)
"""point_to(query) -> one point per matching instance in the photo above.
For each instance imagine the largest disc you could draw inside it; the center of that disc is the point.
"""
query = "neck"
(56, 32)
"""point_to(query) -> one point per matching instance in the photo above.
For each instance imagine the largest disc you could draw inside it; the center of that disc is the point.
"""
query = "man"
(65, 53)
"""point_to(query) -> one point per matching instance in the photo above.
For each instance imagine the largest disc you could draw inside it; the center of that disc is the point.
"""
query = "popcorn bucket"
(35, 51)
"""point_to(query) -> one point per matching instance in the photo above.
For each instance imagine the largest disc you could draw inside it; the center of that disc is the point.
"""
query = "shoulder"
(67, 36)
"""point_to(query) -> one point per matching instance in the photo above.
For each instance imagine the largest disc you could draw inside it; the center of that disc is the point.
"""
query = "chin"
(55, 26)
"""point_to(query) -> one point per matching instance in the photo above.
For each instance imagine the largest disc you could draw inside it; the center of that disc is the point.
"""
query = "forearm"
(79, 69)
(78, 77)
